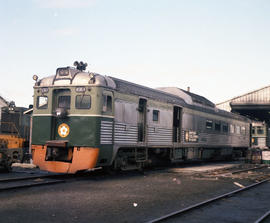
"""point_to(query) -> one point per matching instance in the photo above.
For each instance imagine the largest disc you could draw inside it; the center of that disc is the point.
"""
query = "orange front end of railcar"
(80, 158)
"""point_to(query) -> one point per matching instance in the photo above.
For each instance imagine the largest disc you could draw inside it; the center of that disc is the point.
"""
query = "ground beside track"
(247, 206)
(125, 197)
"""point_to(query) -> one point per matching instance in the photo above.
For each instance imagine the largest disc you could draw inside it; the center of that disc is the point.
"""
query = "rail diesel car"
(84, 120)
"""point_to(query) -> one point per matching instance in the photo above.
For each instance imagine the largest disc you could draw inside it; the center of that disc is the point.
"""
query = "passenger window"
(107, 103)
(42, 102)
(155, 115)
(83, 101)
(231, 128)
(243, 130)
(64, 102)
(260, 131)
(237, 129)
(217, 126)
(209, 124)
(253, 130)
(225, 128)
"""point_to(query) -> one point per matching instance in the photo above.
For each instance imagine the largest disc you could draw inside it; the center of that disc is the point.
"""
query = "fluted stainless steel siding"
(106, 132)
(125, 133)
(159, 136)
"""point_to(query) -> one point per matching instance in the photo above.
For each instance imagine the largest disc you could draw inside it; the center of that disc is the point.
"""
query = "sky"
(218, 48)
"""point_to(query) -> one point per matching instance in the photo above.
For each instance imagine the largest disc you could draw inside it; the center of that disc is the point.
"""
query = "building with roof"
(3, 103)
(255, 104)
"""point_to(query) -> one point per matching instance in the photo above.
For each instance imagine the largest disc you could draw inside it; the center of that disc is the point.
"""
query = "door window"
(155, 115)
(64, 102)
(107, 103)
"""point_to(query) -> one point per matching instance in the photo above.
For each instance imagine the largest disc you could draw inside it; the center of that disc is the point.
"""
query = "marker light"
(91, 75)
(35, 77)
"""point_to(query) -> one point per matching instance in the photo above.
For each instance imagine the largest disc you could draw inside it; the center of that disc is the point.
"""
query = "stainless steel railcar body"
(126, 125)
(177, 122)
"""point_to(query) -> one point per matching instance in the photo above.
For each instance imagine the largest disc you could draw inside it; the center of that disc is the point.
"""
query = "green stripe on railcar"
(84, 131)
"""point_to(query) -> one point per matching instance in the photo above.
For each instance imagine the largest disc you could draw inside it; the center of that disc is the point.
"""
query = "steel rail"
(206, 202)
(262, 218)
(240, 171)
(31, 185)
(62, 179)
(253, 168)
(5, 180)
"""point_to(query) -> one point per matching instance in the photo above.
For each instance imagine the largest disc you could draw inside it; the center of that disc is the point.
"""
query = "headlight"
(63, 71)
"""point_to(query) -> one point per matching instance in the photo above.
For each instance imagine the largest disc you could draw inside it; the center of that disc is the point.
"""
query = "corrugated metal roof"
(261, 95)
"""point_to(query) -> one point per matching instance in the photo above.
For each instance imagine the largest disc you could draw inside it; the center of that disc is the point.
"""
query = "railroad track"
(29, 181)
(39, 180)
(263, 217)
(203, 204)
(243, 170)
(46, 179)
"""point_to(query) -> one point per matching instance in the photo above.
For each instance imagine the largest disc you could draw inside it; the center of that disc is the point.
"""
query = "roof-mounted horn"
(80, 65)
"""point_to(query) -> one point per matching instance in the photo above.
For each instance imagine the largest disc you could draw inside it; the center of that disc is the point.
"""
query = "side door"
(62, 103)
(177, 128)
(142, 110)
(107, 105)
(107, 119)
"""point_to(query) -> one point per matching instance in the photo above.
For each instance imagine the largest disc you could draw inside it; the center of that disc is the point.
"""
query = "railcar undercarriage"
(138, 158)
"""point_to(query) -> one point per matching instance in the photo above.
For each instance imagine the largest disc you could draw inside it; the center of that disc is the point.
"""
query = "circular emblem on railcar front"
(63, 130)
